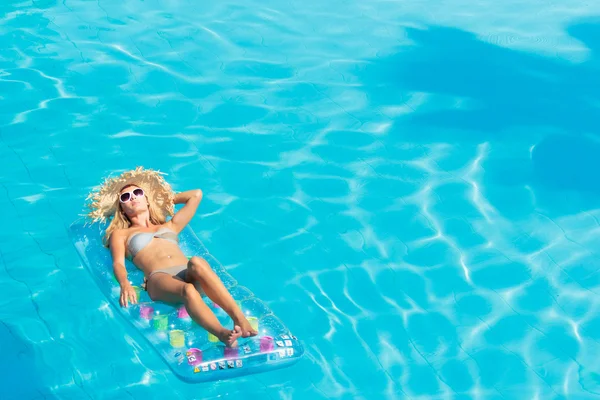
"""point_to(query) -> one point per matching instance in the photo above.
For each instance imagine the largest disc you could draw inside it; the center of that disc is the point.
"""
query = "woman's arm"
(117, 250)
(183, 197)
(191, 199)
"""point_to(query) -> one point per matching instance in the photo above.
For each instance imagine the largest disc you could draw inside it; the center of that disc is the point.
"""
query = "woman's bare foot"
(247, 330)
(230, 337)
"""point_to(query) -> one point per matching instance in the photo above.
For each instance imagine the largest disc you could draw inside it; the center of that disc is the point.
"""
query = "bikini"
(138, 241)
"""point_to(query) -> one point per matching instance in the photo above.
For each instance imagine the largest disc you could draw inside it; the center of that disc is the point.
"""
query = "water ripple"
(377, 190)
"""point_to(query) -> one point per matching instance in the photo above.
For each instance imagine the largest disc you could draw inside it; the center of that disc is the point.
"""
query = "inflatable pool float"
(191, 352)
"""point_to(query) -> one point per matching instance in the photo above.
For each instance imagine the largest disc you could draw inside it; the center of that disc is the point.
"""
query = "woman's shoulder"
(121, 233)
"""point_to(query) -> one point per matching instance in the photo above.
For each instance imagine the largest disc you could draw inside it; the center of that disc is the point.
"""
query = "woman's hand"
(128, 294)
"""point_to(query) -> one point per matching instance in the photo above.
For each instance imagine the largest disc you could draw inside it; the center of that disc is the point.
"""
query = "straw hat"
(103, 200)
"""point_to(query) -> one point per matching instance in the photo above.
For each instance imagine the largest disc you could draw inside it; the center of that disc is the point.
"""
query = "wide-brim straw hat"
(103, 201)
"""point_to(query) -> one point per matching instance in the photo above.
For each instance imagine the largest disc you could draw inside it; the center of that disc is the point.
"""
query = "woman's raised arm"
(191, 199)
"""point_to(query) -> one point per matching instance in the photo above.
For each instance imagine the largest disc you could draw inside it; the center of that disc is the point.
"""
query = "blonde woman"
(138, 202)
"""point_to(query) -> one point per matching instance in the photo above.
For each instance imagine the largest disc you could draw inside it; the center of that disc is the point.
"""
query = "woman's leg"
(199, 271)
(166, 288)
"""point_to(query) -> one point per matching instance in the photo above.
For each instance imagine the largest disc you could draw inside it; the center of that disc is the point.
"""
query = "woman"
(138, 202)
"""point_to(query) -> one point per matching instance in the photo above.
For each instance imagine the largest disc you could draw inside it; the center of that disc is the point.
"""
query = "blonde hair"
(120, 220)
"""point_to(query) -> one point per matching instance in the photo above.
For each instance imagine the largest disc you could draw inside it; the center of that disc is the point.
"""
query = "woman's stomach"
(160, 257)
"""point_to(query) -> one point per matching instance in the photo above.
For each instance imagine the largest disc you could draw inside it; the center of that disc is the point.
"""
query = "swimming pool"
(412, 188)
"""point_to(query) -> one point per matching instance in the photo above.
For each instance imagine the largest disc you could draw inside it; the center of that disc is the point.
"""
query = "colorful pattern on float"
(192, 353)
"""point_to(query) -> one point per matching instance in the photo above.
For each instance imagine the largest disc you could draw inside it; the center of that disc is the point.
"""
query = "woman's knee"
(189, 292)
(198, 266)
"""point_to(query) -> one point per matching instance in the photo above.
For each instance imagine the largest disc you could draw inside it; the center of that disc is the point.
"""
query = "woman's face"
(132, 200)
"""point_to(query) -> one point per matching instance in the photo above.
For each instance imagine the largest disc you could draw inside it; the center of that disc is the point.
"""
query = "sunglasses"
(125, 197)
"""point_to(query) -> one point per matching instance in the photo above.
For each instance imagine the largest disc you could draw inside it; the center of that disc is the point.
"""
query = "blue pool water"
(411, 186)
